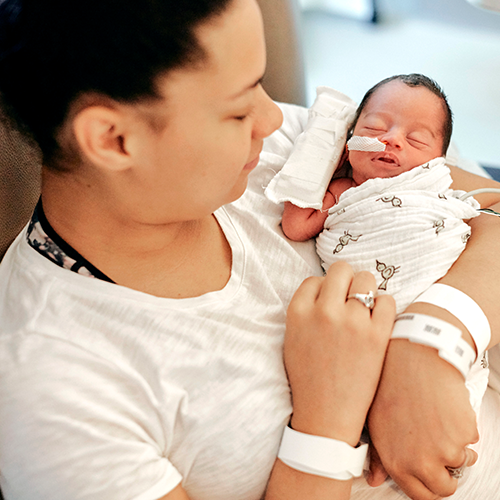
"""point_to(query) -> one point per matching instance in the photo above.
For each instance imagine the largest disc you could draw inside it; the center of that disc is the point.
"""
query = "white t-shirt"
(109, 393)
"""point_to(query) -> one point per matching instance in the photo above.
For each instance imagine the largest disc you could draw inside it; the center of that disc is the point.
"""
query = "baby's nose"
(392, 139)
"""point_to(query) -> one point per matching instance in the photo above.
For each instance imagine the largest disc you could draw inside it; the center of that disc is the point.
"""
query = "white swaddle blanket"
(406, 230)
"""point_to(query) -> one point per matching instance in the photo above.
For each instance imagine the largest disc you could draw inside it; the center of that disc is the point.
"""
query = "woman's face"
(216, 114)
(409, 120)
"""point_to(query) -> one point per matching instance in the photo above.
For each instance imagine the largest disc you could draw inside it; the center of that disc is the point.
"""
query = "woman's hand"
(334, 352)
(420, 422)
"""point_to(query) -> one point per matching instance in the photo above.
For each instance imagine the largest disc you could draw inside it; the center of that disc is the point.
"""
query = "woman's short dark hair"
(53, 51)
(414, 80)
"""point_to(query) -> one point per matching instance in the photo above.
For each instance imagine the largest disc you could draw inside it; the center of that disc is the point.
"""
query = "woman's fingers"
(377, 473)
(362, 282)
(336, 285)
(468, 458)
(472, 457)
(307, 293)
(383, 314)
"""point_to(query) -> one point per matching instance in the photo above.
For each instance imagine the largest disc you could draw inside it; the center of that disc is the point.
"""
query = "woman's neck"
(177, 260)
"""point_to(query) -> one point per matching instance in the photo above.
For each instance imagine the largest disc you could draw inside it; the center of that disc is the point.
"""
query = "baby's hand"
(335, 189)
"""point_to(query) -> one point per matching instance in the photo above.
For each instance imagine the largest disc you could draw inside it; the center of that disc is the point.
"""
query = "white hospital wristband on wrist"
(321, 456)
(436, 333)
(465, 309)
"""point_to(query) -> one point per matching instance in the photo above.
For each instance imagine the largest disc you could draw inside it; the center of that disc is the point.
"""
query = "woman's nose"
(269, 116)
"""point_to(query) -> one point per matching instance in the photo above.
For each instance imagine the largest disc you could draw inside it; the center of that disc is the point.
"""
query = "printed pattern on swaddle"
(407, 230)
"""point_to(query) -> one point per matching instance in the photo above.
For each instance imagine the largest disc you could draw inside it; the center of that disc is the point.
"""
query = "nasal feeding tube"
(361, 143)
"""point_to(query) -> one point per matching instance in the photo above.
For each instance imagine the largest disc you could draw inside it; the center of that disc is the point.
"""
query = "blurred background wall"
(451, 41)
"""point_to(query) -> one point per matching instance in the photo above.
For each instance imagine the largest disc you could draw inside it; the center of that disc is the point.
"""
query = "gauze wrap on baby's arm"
(316, 153)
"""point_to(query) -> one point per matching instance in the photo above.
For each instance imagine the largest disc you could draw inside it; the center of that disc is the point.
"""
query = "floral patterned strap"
(42, 237)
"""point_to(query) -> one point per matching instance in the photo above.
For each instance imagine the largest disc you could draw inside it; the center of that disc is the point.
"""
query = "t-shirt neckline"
(42, 237)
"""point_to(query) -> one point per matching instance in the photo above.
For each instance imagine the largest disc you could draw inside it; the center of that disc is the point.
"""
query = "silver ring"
(456, 472)
(367, 299)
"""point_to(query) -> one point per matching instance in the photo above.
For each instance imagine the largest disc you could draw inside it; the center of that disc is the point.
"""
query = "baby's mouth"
(388, 158)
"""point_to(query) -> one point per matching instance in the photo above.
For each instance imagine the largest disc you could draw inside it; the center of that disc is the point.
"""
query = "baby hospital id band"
(464, 309)
(321, 456)
(440, 335)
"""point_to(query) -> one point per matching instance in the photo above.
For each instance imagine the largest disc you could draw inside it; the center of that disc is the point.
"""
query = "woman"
(141, 350)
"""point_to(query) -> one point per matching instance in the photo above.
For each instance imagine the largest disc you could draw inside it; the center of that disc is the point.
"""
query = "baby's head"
(411, 116)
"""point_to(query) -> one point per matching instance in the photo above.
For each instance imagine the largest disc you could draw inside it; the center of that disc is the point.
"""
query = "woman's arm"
(421, 419)
(468, 182)
(334, 350)
(178, 493)
(290, 484)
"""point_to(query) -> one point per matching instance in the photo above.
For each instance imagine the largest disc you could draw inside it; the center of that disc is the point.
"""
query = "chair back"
(19, 184)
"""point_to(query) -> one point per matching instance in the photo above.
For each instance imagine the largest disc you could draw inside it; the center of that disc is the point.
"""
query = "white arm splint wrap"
(316, 153)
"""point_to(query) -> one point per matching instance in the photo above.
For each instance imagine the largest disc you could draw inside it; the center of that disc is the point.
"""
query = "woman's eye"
(241, 117)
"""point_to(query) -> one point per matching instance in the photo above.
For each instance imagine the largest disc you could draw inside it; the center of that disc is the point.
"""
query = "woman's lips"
(252, 164)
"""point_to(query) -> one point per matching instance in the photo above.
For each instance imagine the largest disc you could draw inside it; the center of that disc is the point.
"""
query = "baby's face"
(409, 121)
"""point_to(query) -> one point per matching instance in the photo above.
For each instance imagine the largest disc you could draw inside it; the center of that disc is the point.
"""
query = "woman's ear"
(100, 133)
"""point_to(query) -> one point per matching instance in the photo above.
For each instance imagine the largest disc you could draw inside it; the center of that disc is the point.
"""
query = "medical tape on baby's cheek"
(359, 143)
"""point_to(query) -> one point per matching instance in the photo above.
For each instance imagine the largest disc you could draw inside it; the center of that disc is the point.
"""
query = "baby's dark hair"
(414, 80)
(54, 51)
